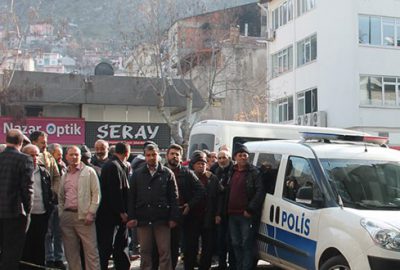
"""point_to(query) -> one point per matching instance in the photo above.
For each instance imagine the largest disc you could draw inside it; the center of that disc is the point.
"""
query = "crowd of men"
(88, 209)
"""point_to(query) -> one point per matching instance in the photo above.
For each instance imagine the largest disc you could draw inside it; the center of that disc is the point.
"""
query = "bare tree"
(151, 57)
(199, 49)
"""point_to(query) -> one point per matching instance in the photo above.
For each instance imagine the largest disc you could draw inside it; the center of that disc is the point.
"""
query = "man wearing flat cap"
(242, 202)
(202, 221)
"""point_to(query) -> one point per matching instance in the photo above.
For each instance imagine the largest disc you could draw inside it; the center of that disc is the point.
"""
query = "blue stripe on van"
(285, 243)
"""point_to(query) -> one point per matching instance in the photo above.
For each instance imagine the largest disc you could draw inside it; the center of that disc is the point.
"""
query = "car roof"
(331, 150)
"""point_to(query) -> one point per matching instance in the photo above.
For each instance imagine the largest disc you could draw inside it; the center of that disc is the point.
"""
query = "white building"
(334, 63)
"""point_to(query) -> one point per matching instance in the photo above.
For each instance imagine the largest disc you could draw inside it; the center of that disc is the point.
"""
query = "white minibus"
(212, 134)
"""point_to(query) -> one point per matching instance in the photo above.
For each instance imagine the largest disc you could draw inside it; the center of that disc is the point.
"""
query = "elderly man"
(41, 209)
(39, 138)
(100, 157)
(79, 199)
(202, 222)
(222, 172)
(16, 191)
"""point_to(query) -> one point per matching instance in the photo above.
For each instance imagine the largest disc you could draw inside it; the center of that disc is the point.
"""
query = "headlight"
(383, 234)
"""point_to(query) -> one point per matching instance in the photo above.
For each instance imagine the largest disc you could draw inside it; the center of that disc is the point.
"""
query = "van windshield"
(365, 184)
(201, 142)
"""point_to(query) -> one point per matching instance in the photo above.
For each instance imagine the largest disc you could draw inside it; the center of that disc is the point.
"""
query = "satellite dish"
(104, 69)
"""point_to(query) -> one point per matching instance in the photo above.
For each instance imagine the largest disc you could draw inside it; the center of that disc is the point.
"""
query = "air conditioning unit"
(318, 119)
(306, 120)
(299, 120)
(270, 35)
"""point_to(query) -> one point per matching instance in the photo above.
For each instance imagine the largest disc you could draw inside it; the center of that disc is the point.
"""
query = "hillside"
(105, 20)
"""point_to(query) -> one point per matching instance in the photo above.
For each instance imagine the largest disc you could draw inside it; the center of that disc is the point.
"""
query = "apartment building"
(334, 63)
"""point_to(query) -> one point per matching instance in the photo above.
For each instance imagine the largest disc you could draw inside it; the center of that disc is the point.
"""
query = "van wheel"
(335, 263)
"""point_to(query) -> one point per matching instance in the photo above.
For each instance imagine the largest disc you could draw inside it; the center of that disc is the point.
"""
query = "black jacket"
(153, 199)
(223, 174)
(16, 190)
(212, 193)
(114, 191)
(190, 190)
(47, 194)
(254, 190)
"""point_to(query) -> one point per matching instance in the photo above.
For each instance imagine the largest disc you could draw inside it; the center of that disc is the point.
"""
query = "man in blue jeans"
(53, 242)
(243, 198)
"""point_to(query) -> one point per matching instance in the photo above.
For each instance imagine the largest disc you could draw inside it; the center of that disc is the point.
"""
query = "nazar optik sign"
(59, 130)
(133, 133)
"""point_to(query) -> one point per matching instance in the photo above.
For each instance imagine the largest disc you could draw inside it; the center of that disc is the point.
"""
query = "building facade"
(333, 63)
(115, 108)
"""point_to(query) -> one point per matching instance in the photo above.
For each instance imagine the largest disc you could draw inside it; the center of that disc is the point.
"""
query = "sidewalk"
(135, 265)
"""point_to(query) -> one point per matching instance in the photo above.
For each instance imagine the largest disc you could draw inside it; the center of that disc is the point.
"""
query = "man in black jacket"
(112, 215)
(224, 246)
(202, 223)
(153, 208)
(191, 192)
(244, 195)
(16, 170)
(34, 251)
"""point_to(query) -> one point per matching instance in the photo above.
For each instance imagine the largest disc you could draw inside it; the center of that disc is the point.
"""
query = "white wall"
(340, 61)
(114, 113)
(61, 111)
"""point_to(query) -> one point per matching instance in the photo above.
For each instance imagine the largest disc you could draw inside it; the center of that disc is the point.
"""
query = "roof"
(103, 90)
(333, 150)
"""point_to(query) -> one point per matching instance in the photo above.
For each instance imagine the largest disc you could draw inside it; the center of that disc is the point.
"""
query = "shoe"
(59, 265)
(49, 264)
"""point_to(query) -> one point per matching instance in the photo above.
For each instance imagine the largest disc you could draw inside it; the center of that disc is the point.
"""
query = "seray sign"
(60, 130)
(133, 133)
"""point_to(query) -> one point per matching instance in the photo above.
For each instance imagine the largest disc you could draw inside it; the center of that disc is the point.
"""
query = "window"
(282, 14)
(365, 184)
(307, 102)
(269, 166)
(306, 50)
(380, 31)
(285, 109)
(299, 184)
(282, 61)
(263, 20)
(388, 31)
(207, 142)
(304, 6)
(380, 91)
(33, 111)
(398, 32)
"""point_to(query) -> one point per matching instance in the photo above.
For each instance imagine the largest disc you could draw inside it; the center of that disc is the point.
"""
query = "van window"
(299, 185)
(201, 142)
(251, 157)
(365, 184)
(269, 166)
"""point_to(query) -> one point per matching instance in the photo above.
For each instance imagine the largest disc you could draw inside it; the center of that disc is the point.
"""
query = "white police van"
(333, 203)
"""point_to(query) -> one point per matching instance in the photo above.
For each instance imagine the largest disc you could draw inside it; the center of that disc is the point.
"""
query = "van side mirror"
(305, 195)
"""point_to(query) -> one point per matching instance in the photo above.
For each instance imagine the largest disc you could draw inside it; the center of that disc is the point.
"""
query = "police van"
(333, 202)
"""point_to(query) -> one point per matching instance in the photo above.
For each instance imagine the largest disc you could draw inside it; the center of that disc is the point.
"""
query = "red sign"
(60, 130)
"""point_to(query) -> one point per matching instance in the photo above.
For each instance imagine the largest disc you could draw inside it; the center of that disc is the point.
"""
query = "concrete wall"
(340, 62)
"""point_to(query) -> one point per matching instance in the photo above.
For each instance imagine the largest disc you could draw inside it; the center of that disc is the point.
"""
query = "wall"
(340, 61)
